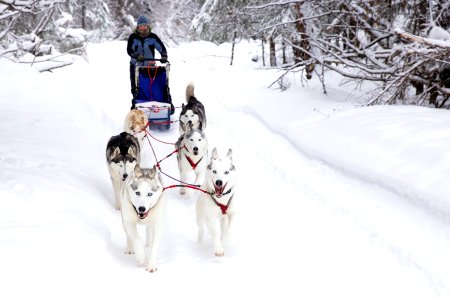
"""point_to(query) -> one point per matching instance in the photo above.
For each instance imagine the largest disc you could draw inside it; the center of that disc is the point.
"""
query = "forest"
(401, 46)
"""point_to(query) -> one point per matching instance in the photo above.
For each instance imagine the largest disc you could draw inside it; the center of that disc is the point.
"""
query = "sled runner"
(152, 93)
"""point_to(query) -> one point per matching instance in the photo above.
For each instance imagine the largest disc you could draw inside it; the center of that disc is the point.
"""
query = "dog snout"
(219, 183)
(141, 209)
(124, 176)
(195, 149)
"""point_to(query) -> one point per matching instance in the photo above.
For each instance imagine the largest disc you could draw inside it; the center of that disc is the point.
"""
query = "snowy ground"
(336, 200)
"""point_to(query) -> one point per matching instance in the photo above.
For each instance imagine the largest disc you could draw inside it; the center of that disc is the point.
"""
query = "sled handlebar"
(146, 61)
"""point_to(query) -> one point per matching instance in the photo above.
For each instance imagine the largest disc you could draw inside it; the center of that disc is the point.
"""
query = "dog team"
(139, 192)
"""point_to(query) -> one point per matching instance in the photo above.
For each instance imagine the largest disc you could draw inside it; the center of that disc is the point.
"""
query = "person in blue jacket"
(141, 47)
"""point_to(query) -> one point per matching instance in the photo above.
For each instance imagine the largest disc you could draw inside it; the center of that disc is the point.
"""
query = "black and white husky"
(143, 202)
(122, 155)
(193, 113)
(192, 156)
(217, 205)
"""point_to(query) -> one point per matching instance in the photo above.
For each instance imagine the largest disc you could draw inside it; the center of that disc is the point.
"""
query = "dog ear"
(160, 179)
(137, 171)
(230, 154)
(214, 154)
(152, 172)
(132, 152)
(116, 152)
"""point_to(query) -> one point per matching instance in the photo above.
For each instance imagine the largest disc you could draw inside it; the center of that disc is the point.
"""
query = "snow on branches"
(403, 47)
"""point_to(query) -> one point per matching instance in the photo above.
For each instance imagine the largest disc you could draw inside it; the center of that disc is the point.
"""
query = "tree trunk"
(272, 54)
(232, 48)
(263, 52)
(303, 43)
(83, 15)
(283, 49)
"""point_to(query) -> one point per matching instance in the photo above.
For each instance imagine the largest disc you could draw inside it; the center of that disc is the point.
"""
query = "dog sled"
(152, 94)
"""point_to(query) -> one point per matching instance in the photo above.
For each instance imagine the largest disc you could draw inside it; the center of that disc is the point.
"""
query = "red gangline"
(148, 132)
(183, 184)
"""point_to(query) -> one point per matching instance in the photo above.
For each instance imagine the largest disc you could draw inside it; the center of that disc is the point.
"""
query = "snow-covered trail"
(296, 197)
(328, 228)
(304, 229)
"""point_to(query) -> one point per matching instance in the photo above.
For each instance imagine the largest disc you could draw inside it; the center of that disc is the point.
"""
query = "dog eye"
(149, 194)
(199, 140)
(138, 193)
(226, 172)
(215, 172)
(191, 140)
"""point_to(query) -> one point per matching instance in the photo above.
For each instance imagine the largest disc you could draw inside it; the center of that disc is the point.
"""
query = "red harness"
(193, 165)
(191, 162)
(222, 207)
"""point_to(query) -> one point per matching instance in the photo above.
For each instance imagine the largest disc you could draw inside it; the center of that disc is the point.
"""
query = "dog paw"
(129, 251)
(117, 207)
(151, 269)
(219, 253)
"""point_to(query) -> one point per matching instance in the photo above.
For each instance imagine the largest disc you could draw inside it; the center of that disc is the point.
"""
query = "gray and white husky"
(143, 202)
(122, 155)
(217, 206)
(192, 113)
(192, 156)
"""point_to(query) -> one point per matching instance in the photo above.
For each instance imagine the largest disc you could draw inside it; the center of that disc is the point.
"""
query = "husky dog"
(193, 112)
(143, 202)
(122, 155)
(217, 206)
(192, 155)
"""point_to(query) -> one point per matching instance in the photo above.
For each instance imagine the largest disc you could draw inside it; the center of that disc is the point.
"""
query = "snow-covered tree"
(38, 27)
(22, 23)
(219, 21)
(384, 41)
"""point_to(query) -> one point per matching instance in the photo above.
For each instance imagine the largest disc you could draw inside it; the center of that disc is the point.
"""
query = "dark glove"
(163, 59)
(141, 58)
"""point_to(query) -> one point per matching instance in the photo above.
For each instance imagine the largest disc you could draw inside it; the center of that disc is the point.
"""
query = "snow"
(336, 200)
(439, 33)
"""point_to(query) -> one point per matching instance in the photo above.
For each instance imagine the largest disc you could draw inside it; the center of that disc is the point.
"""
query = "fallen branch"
(56, 66)
(422, 40)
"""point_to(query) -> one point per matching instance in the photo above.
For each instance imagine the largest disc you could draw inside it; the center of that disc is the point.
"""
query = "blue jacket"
(139, 45)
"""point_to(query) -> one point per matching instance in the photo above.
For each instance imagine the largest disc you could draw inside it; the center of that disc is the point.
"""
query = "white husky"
(192, 156)
(217, 206)
(143, 202)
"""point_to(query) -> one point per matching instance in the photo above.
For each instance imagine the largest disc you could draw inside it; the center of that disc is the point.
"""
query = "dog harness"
(191, 162)
(222, 207)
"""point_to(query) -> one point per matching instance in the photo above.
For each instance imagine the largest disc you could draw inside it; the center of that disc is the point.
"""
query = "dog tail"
(190, 91)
